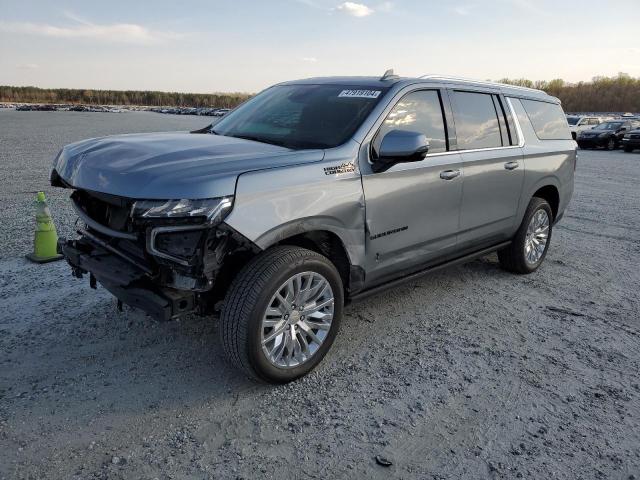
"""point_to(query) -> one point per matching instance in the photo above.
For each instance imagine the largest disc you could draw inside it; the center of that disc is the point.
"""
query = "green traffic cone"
(45, 243)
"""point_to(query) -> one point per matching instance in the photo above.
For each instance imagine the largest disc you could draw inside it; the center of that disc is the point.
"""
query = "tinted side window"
(548, 120)
(476, 121)
(419, 111)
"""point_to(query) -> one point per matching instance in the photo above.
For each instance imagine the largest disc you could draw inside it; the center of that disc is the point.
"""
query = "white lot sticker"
(360, 93)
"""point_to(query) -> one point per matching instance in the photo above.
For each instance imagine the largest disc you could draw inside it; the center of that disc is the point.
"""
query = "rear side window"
(548, 120)
(419, 111)
(476, 120)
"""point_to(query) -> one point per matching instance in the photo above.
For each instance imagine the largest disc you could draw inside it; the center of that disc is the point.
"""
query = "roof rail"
(481, 82)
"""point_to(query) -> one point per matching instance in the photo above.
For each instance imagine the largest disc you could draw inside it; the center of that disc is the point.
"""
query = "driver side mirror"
(399, 146)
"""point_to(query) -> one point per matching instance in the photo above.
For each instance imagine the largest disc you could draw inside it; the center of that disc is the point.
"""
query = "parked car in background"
(608, 134)
(578, 123)
(631, 140)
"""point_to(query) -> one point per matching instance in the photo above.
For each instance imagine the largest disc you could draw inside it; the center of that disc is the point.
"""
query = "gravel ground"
(468, 373)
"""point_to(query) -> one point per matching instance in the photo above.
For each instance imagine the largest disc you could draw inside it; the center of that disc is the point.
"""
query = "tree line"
(602, 94)
(119, 97)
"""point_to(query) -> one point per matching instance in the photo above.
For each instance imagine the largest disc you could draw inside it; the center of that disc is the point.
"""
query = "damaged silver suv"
(312, 194)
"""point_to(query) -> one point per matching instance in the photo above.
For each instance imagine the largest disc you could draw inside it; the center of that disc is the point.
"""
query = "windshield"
(608, 126)
(302, 116)
(573, 120)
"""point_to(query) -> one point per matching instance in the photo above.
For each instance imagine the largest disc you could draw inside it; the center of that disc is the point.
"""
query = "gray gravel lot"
(468, 373)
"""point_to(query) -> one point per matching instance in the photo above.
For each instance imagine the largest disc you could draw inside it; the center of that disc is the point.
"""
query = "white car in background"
(579, 123)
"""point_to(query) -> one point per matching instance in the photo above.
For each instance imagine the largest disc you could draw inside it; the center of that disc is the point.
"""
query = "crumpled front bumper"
(129, 283)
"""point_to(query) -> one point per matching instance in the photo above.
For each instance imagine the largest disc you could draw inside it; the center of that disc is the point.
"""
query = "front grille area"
(107, 210)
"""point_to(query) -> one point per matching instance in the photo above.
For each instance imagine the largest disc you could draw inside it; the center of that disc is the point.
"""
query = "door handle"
(511, 165)
(449, 174)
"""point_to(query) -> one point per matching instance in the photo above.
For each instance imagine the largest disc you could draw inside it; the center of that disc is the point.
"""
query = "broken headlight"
(212, 209)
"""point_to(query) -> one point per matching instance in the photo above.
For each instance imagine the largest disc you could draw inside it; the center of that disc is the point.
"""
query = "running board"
(450, 263)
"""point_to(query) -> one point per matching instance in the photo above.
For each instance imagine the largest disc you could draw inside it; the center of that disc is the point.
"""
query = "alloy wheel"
(537, 236)
(297, 320)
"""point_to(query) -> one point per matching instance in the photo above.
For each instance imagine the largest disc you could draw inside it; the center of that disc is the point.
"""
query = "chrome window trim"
(516, 122)
(399, 95)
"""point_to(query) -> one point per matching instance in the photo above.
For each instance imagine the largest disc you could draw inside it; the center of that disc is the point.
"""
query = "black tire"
(611, 144)
(628, 149)
(247, 299)
(512, 258)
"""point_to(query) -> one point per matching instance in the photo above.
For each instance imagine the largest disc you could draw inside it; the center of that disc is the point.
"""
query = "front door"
(412, 209)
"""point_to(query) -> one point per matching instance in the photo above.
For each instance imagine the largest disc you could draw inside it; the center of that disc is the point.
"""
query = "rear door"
(493, 167)
(412, 209)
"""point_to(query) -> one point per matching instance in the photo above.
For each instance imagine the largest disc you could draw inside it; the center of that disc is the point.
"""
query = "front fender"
(272, 205)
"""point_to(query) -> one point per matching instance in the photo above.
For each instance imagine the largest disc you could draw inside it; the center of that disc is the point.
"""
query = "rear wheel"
(282, 313)
(531, 242)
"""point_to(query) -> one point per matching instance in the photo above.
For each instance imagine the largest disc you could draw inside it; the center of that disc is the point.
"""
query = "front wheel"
(282, 313)
(531, 242)
(611, 144)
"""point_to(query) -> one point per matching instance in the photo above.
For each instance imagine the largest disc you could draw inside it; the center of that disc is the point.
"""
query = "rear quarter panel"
(547, 162)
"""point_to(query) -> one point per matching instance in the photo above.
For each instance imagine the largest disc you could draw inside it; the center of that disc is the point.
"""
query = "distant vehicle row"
(204, 111)
(609, 134)
(579, 123)
(211, 112)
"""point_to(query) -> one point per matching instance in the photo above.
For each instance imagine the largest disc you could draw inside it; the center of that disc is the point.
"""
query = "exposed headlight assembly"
(179, 243)
(213, 209)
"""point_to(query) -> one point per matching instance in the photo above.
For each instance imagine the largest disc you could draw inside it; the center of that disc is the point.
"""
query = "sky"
(247, 45)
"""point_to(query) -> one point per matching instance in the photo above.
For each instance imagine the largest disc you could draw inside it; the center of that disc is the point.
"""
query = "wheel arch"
(328, 243)
(551, 194)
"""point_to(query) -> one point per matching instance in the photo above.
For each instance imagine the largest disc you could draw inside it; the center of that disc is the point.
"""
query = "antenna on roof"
(389, 75)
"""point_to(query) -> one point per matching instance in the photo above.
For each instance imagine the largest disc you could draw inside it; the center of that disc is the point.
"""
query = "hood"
(169, 165)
